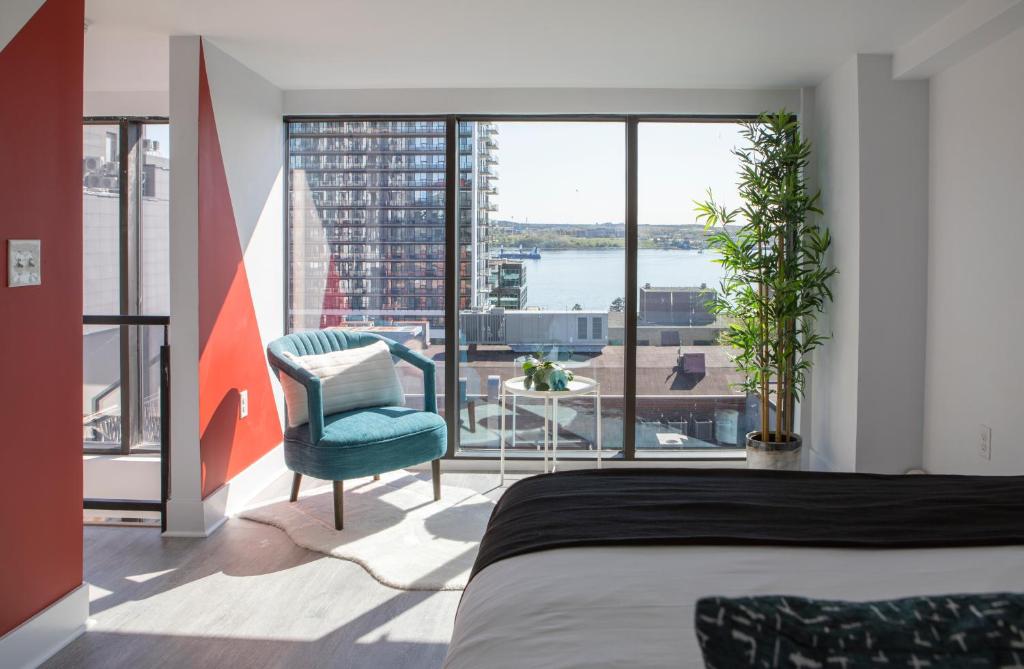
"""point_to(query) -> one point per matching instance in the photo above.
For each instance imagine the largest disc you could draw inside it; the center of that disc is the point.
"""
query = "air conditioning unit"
(703, 430)
(92, 163)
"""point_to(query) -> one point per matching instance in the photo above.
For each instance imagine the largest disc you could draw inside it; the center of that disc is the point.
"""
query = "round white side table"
(579, 386)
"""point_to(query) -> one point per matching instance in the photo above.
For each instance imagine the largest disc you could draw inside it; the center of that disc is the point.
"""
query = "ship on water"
(519, 254)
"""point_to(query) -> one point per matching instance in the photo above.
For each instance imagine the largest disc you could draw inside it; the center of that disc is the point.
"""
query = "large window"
(549, 240)
(366, 229)
(125, 204)
(573, 237)
(686, 398)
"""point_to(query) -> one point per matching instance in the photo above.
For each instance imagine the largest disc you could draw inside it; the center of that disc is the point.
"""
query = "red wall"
(41, 326)
(231, 356)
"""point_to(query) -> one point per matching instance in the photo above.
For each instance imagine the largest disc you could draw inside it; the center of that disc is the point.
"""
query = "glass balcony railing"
(112, 421)
(126, 402)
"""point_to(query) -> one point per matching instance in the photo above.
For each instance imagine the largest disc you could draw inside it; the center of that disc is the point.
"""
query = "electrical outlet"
(985, 443)
(243, 403)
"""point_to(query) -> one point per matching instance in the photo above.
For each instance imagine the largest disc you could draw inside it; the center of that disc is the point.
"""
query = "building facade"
(676, 305)
(508, 283)
(366, 220)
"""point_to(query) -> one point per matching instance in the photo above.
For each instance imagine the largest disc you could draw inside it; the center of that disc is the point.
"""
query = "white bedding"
(633, 606)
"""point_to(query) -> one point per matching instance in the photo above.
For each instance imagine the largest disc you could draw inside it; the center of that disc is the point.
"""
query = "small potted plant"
(544, 374)
(776, 279)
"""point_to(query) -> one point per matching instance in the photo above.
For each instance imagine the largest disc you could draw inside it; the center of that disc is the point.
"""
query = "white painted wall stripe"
(14, 14)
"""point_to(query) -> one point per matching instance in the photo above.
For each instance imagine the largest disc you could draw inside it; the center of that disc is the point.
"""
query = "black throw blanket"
(629, 507)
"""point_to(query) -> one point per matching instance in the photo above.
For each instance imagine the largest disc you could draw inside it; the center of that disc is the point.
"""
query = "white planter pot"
(773, 455)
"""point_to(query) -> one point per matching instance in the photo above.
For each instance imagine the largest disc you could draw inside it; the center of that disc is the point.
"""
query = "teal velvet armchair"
(361, 442)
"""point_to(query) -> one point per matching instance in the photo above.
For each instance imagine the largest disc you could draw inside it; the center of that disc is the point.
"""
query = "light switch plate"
(243, 403)
(24, 263)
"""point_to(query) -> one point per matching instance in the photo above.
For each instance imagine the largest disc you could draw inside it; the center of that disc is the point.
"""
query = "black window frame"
(131, 174)
(631, 123)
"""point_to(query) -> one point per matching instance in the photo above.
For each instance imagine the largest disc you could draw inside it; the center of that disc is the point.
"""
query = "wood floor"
(249, 597)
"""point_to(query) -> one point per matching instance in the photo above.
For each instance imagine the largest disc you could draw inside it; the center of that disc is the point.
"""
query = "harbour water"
(593, 278)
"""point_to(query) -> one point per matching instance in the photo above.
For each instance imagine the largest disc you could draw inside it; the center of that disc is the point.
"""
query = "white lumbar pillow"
(356, 378)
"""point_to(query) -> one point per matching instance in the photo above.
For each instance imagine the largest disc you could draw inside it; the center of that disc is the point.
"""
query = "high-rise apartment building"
(366, 220)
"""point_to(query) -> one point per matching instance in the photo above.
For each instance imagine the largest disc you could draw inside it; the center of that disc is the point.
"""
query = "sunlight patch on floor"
(96, 592)
(407, 626)
(142, 578)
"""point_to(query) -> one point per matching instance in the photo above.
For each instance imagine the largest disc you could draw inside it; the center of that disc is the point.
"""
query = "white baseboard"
(201, 518)
(40, 637)
(185, 518)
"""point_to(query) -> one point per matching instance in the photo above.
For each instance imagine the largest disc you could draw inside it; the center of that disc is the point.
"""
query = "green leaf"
(776, 274)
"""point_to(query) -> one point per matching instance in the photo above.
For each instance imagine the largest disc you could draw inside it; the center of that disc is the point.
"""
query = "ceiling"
(327, 44)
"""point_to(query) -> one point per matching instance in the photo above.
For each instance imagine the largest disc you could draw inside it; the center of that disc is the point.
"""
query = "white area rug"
(393, 528)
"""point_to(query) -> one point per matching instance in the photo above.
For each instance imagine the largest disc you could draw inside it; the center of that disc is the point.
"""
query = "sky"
(161, 133)
(569, 172)
(574, 172)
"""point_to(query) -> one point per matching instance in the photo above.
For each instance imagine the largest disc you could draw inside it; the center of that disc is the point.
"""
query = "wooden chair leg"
(435, 475)
(472, 416)
(296, 482)
(339, 506)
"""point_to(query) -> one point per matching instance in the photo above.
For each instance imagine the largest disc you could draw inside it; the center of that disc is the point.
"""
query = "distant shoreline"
(606, 247)
(560, 237)
(595, 277)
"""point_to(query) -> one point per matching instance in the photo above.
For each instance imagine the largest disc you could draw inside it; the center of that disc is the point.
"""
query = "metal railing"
(164, 421)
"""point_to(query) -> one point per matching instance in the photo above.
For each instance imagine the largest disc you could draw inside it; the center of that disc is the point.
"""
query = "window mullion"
(130, 233)
(632, 242)
(451, 284)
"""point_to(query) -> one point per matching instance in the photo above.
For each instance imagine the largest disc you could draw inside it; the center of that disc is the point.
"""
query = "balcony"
(673, 414)
(124, 434)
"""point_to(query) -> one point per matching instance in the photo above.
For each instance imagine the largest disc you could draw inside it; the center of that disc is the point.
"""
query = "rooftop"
(659, 372)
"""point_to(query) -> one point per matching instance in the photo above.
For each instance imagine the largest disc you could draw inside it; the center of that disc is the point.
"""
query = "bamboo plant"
(776, 277)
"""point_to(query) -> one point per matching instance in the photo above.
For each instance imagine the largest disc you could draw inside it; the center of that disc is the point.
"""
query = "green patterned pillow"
(917, 632)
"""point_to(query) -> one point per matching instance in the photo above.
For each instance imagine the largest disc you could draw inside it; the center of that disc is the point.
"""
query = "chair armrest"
(424, 364)
(314, 392)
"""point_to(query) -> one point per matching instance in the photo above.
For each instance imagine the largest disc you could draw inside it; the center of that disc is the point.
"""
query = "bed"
(604, 568)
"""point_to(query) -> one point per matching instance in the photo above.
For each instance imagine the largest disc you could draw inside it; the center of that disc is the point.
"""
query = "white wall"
(833, 442)
(893, 267)
(185, 506)
(975, 360)
(248, 112)
(121, 477)
(126, 103)
(539, 101)
(14, 14)
(872, 145)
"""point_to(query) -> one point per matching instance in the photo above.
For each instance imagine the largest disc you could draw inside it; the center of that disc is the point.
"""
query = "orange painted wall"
(231, 356)
(41, 326)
